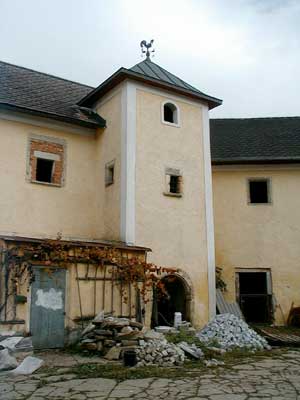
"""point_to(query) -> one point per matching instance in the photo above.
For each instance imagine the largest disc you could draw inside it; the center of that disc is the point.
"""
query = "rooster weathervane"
(146, 48)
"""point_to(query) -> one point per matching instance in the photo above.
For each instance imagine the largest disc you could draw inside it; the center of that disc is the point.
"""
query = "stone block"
(113, 353)
(7, 361)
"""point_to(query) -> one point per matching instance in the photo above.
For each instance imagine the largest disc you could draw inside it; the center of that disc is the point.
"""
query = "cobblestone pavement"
(276, 377)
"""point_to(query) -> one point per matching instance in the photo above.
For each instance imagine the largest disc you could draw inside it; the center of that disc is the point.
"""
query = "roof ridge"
(166, 73)
(254, 118)
(45, 73)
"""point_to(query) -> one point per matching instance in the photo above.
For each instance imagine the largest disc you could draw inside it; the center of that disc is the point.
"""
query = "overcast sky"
(245, 52)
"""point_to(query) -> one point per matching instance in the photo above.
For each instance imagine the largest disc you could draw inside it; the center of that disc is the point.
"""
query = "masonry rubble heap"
(230, 332)
(159, 352)
(111, 336)
(106, 332)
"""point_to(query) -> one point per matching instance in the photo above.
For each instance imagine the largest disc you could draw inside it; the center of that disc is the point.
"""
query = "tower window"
(170, 113)
(173, 182)
(259, 191)
(109, 173)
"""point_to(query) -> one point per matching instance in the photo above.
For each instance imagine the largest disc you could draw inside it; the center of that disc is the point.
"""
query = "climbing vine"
(18, 262)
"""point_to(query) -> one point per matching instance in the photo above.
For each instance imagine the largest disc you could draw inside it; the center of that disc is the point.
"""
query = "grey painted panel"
(48, 307)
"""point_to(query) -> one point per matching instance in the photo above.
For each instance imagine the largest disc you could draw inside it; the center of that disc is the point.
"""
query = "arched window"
(170, 113)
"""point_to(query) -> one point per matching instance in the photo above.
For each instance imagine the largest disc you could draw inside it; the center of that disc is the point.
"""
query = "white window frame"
(174, 124)
(172, 172)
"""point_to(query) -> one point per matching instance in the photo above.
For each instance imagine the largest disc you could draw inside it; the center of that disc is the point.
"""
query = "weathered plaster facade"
(174, 227)
(262, 236)
(41, 210)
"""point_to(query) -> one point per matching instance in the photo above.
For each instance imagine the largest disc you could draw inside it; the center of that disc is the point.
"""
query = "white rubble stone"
(7, 361)
(28, 366)
(159, 352)
(11, 342)
(229, 332)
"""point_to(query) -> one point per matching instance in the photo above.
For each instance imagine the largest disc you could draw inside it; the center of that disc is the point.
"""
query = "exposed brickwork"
(47, 147)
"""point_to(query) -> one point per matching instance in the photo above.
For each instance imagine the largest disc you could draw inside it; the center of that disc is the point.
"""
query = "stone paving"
(276, 377)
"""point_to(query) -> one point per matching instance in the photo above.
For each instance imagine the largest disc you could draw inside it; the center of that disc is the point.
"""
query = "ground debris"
(229, 331)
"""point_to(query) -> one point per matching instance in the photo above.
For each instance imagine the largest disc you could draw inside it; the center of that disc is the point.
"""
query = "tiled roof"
(255, 140)
(151, 74)
(26, 90)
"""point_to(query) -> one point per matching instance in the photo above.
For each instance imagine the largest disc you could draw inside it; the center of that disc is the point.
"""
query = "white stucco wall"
(174, 228)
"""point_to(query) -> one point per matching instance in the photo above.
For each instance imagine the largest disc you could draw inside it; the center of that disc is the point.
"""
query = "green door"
(47, 310)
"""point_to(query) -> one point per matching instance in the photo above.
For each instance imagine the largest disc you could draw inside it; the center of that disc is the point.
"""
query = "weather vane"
(146, 48)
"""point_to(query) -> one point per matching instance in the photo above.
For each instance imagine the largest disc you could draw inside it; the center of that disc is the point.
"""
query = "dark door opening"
(255, 296)
(173, 298)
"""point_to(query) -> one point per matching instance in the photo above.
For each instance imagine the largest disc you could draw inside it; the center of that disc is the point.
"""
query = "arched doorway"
(175, 297)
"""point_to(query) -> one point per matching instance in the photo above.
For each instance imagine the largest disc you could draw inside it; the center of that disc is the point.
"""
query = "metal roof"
(150, 69)
(154, 75)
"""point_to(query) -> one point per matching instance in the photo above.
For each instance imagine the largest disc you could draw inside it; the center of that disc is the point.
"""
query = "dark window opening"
(175, 184)
(170, 113)
(259, 191)
(44, 170)
(109, 174)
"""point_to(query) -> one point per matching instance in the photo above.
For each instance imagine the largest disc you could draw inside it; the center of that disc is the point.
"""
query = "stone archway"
(176, 299)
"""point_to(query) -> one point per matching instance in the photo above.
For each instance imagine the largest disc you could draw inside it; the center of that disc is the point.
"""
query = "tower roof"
(151, 74)
(152, 70)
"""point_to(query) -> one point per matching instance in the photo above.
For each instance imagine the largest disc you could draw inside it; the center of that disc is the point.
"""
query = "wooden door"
(47, 311)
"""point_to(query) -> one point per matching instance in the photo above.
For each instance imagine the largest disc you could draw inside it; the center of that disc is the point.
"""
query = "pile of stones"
(159, 352)
(229, 331)
(110, 336)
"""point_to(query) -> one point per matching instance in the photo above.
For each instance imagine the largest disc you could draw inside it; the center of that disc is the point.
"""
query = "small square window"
(44, 170)
(46, 160)
(109, 173)
(259, 191)
(173, 183)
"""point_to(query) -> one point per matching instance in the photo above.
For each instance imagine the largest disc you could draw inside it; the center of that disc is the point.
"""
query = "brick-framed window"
(46, 160)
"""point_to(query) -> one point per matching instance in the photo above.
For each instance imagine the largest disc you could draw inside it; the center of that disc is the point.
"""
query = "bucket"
(129, 358)
(177, 319)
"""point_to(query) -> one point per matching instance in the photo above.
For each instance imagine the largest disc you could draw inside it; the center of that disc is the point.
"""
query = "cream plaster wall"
(108, 148)
(174, 228)
(41, 210)
(260, 236)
